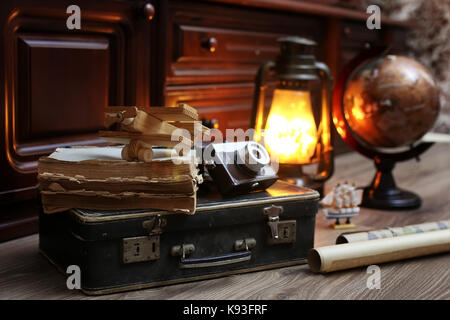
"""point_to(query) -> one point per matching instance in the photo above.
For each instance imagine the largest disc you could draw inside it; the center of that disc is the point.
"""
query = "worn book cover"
(97, 178)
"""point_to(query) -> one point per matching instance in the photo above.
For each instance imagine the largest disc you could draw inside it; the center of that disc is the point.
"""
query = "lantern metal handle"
(257, 116)
(325, 161)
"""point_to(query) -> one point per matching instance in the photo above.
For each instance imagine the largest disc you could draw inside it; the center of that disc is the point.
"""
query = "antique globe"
(382, 108)
(390, 102)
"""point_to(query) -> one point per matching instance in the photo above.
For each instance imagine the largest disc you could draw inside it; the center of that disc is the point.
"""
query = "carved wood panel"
(58, 81)
(62, 78)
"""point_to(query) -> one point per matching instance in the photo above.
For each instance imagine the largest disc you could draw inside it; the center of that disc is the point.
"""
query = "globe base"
(383, 193)
(394, 199)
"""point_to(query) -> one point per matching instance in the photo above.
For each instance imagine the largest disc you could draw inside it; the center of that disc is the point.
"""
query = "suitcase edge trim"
(95, 219)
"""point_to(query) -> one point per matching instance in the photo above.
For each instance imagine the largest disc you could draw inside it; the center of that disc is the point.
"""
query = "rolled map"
(393, 232)
(363, 253)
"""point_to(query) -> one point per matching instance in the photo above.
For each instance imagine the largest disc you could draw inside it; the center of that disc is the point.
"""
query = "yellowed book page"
(53, 202)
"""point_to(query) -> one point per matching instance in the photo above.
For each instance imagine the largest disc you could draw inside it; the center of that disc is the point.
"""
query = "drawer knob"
(210, 44)
(149, 11)
(347, 31)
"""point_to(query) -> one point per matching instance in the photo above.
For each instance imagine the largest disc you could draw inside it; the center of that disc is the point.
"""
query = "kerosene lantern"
(297, 126)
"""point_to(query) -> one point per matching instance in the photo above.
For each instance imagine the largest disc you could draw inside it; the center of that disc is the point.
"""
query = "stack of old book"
(145, 173)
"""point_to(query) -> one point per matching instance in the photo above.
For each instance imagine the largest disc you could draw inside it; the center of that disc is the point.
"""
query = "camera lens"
(255, 156)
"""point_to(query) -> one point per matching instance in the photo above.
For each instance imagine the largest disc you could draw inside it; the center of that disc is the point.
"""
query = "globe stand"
(383, 192)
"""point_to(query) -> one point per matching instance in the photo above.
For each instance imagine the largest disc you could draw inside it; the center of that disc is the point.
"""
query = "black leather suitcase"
(127, 250)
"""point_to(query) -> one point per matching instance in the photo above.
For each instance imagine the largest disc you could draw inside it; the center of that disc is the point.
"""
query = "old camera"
(239, 167)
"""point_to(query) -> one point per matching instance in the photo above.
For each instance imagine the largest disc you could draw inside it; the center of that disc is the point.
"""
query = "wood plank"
(24, 274)
(180, 113)
(145, 123)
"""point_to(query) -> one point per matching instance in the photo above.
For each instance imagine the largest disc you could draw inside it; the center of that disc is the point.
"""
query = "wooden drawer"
(236, 54)
(230, 105)
(205, 44)
(354, 38)
(206, 48)
(356, 34)
(396, 37)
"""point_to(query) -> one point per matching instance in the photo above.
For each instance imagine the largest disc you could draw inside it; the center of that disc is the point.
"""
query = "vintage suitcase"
(129, 250)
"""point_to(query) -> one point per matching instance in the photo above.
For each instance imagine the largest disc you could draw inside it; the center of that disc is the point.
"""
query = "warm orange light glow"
(290, 129)
(357, 111)
(340, 127)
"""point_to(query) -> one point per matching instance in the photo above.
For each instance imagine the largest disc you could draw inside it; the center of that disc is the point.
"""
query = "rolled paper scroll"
(138, 150)
(393, 232)
(363, 253)
(159, 153)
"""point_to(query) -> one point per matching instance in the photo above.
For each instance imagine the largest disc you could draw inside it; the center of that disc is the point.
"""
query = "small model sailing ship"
(342, 203)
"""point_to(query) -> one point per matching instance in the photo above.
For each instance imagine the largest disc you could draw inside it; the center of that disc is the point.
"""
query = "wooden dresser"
(55, 81)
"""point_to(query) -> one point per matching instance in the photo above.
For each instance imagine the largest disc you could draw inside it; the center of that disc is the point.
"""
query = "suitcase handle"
(215, 261)
(243, 254)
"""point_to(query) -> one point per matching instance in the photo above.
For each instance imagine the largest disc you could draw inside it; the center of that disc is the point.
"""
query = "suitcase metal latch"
(280, 231)
(146, 248)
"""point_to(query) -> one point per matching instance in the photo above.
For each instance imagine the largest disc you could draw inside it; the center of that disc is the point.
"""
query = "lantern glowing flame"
(290, 128)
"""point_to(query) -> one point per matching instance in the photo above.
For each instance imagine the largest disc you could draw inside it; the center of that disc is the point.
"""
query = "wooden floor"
(24, 274)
